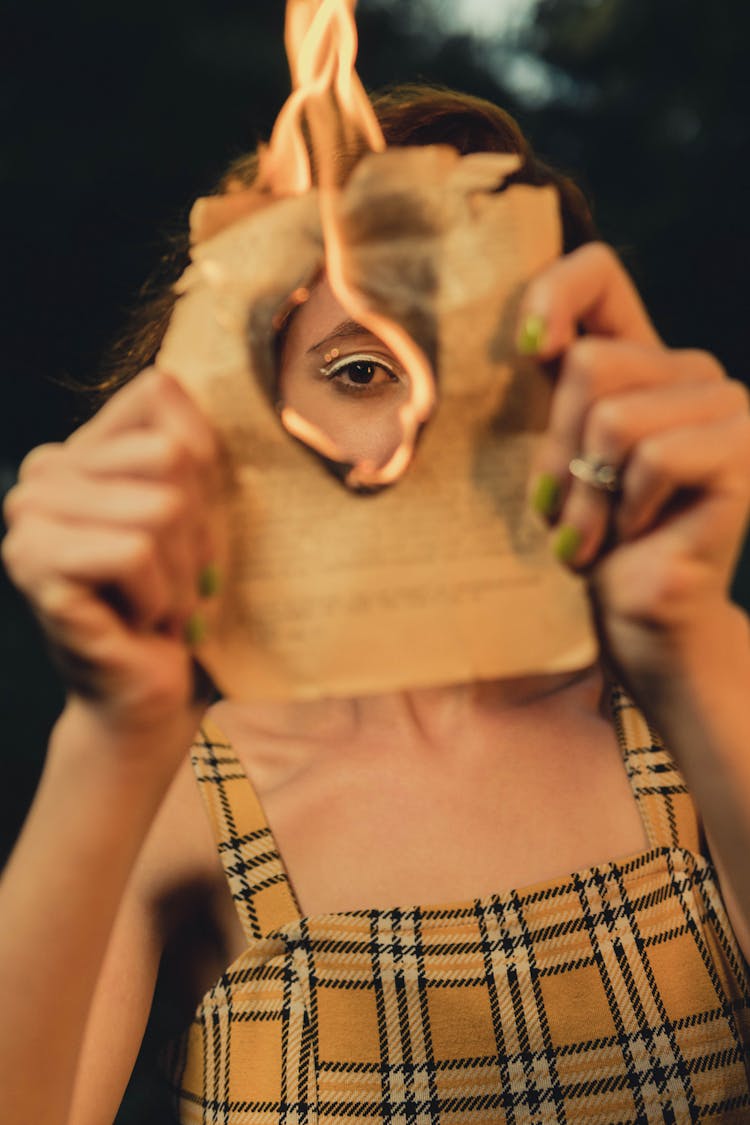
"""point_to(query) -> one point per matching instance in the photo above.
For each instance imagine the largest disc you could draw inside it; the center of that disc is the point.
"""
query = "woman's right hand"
(108, 536)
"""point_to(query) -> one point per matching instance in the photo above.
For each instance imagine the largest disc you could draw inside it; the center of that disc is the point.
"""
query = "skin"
(126, 505)
(324, 356)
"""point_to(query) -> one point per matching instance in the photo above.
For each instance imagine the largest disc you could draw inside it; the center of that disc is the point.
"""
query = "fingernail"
(565, 543)
(209, 581)
(545, 495)
(195, 629)
(531, 334)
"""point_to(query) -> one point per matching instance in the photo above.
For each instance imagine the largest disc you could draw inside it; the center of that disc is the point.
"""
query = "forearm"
(701, 708)
(59, 897)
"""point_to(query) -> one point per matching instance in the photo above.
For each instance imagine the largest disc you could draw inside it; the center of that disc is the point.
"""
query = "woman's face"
(337, 375)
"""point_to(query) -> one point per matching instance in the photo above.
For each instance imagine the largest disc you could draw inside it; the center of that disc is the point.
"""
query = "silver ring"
(597, 474)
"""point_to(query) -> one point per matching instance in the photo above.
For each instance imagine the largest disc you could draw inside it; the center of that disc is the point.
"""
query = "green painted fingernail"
(545, 496)
(566, 542)
(195, 629)
(209, 581)
(531, 336)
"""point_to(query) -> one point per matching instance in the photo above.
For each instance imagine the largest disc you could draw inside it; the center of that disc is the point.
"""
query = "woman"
(616, 993)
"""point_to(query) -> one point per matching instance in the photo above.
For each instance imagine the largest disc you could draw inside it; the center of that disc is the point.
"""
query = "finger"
(151, 430)
(130, 407)
(616, 423)
(588, 289)
(42, 459)
(122, 562)
(699, 459)
(134, 446)
(679, 479)
(75, 625)
(168, 435)
(684, 562)
(168, 514)
(595, 371)
(97, 655)
(153, 400)
(75, 497)
(156, 455)
(153, 453)
(154, 403)
(615, 427)
(140, 454)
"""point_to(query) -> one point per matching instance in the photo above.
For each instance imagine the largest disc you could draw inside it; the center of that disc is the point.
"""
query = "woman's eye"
(360, 373)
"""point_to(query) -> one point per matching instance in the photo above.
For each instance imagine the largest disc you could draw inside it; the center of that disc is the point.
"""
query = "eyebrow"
(343, 331)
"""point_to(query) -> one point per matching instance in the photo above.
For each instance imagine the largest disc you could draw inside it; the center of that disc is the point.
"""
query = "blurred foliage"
(654, 115)
(114, 119)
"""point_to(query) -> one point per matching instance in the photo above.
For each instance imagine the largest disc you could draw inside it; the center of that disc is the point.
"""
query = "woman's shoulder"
(182, 893)
(178, 872)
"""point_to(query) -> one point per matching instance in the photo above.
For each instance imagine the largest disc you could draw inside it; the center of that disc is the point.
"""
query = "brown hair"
(413, 114)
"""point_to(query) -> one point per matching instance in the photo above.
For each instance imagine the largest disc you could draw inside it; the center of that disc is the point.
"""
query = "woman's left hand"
(660, 549)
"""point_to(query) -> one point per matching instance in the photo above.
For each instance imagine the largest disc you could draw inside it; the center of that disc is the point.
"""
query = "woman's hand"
(660, 550)
(110, 536)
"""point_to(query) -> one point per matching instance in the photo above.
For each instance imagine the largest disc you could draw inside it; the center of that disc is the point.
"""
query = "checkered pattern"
(618, 994)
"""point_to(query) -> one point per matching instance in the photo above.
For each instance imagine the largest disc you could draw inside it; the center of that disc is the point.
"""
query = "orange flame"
(321, 43)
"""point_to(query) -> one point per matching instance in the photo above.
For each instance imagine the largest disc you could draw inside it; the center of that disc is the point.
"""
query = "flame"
(327, 95)
(321, 44)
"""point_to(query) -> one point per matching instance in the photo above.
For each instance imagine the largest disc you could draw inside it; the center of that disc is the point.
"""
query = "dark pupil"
(361, 372)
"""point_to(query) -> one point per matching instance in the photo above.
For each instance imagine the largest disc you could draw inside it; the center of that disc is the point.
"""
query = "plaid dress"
(615, 994)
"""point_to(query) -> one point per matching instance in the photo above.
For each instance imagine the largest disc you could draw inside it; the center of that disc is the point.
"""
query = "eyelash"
(331, 370)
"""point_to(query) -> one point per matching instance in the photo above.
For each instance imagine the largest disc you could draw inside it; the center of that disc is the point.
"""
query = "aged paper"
(445, 576)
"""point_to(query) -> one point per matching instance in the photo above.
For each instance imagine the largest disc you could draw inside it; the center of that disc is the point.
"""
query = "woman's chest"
(384, 829)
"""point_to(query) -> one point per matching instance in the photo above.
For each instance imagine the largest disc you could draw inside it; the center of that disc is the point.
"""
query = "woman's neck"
(428, 716)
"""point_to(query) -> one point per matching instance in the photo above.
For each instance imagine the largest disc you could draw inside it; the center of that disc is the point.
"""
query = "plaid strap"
(257, 878)
(667, 809)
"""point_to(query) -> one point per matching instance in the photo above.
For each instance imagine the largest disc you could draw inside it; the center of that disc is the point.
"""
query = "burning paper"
(351, 575)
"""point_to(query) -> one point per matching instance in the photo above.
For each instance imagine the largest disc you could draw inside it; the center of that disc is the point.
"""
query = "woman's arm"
(703, 710)
(60, 895)
(107, 537)
(659, 552)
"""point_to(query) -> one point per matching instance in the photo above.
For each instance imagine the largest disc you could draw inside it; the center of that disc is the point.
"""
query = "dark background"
(115, 119)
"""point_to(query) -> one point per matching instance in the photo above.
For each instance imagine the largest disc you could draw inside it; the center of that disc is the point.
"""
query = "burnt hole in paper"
(344, 390)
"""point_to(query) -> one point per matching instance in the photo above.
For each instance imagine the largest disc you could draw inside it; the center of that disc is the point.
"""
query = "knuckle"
(12, 504)
(139, 553)
(741, 395)
(702, 364)
(172, 456)
(84, 430)
(531, 298)
(602, 255)
(56, 601)
(207, 448)
(19, 562)
(142, 390)
(172, 507)
(39, 460)
(165, 390)
(608, 429)
(653, 460)
(583, 364)
(9, 553)
(669, 589)
(743, 441)
(149, 382)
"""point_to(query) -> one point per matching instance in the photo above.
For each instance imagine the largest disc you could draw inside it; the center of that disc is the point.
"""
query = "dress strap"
(260, 886)
(666, 807)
